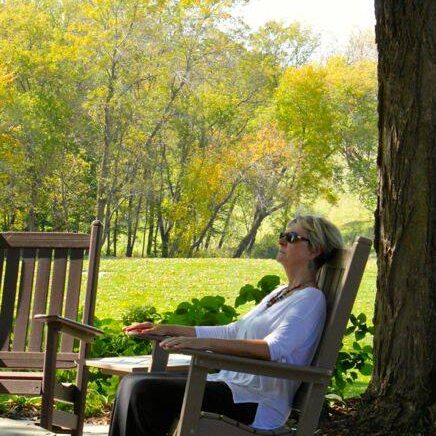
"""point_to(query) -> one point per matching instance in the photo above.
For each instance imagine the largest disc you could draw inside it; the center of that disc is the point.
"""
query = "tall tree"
(402, 391)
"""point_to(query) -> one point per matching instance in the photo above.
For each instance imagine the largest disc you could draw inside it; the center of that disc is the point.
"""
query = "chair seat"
(224, 426)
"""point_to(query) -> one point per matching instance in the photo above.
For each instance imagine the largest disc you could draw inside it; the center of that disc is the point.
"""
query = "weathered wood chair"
(50, 296)
(339, 279)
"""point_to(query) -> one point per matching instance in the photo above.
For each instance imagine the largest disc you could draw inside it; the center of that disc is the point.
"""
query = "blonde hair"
(322, 234)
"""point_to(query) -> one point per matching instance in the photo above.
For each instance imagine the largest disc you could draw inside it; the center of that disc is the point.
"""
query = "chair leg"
(48, 384)
(159, 358)
(192, 401)
(79, 403)
(308, 420)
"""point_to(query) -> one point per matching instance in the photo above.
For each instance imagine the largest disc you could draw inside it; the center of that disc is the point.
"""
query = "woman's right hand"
(144, 327)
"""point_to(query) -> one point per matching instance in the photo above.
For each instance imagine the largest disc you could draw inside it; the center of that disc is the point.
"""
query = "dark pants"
(149, 404)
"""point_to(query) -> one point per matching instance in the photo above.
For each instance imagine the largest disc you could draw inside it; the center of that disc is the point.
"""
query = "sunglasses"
(292, 237)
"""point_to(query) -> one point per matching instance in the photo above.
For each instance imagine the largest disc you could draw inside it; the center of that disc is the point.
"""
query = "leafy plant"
(208, 310)
(350, 363)
(115, 343)
(140, 314)
(250, 293)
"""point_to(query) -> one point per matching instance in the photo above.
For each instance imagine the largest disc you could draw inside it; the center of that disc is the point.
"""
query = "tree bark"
(403, 389)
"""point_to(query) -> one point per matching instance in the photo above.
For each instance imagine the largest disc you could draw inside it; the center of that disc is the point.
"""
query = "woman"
(285, 327)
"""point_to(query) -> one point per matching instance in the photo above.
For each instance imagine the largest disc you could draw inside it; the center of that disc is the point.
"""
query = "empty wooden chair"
(41, 276)
(339, 279)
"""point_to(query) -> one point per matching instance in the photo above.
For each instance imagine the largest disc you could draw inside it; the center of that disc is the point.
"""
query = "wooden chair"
(41, 275)
(339, 279)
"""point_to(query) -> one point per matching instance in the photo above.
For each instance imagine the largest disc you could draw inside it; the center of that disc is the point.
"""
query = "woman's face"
(296, 254)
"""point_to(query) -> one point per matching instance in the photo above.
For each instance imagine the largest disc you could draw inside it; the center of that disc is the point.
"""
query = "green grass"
(164, 283)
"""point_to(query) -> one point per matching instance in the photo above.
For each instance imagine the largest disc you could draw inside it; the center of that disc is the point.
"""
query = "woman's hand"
(185, 342)
(144, 327)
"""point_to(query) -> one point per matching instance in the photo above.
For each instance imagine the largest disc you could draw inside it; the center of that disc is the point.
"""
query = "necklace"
(282, 294)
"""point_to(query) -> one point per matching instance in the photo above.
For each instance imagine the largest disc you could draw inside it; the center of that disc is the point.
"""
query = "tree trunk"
(115, 233)
(129, 247)
(226, 224)
(208, 238)
(164, 235)
(259, 216)
(108, 240)
(144, 233)
(32, 222)
(150, 230)
(195, 246)
(403, 388)
(136, 221)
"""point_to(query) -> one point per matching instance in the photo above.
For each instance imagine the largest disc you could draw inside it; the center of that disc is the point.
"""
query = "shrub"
(206, 311)
(115, 343)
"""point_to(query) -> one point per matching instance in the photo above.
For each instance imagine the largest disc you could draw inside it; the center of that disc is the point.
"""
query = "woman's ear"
(315, 252)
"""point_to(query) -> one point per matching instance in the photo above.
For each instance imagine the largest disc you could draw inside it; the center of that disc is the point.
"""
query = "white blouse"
(292, 328)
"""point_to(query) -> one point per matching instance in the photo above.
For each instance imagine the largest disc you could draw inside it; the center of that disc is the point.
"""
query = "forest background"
(184, 131)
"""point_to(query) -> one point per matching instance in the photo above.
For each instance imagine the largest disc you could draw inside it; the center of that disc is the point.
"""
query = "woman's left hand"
(185, 342)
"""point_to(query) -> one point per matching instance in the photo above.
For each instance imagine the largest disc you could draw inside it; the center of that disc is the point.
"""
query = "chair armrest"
(84, 332)
(211, 360)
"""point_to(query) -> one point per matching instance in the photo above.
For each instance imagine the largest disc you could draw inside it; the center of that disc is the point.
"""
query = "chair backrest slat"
(8, 297)
(40, 300)
(73, 293)
(58, 281)
(341, 304)
(24, 299)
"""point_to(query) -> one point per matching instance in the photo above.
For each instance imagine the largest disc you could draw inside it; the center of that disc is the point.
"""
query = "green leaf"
(240, 300)
(211, 303)
(366, 369)
(356, 346)
(229, 311)
(367, 349)
(350, 330)
(246, 290)
(268, 283)
(362, 318)
(359, 335)
(183, 308)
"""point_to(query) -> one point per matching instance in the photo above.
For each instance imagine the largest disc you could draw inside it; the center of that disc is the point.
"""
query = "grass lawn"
(164, 283)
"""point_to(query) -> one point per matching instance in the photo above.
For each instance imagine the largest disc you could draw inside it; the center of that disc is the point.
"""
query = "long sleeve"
(228, 331)
(299, 331)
